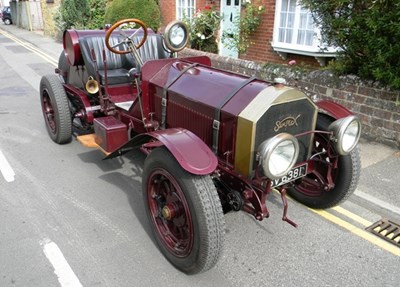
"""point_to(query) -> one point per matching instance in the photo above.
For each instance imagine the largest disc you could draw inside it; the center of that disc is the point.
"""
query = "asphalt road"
(67, 218)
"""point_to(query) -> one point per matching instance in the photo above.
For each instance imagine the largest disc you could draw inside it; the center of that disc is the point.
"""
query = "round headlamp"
(278, 155)
(347, 132)
(176, 36)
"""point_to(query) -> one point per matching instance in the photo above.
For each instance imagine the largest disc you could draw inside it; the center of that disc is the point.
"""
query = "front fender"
(188, 149)
(333, 109)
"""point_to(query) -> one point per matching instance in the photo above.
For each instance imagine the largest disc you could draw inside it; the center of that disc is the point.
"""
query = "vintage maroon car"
(215, 141)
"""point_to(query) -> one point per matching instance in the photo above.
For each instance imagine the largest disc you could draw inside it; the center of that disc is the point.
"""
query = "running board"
(90, 141)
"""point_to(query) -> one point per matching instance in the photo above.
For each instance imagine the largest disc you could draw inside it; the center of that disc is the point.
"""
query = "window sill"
(320, 56)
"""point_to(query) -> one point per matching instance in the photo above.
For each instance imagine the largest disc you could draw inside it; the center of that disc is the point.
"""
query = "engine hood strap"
(217, 114)
(164, 99)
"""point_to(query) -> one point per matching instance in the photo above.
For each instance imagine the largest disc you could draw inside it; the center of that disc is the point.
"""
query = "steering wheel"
(117, 26)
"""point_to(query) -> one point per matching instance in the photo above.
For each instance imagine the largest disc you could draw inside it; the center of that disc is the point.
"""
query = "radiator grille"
(292, 117)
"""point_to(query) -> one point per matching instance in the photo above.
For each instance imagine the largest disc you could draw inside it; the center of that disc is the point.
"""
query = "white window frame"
(185, 9)
(317, 49)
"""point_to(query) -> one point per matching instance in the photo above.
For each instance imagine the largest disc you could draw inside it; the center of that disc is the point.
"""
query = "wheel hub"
(170, 211)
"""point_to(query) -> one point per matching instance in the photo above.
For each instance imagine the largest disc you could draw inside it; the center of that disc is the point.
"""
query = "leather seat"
(152, 49)
(118, 66)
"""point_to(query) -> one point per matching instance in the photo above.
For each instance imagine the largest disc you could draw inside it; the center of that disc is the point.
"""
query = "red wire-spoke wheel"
(48, 112)
(184, 213)
(55, 108)
(170, 213)
(335, 177)
(119, 27)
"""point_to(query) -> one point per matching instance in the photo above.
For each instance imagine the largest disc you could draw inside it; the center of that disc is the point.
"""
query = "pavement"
(379, 184)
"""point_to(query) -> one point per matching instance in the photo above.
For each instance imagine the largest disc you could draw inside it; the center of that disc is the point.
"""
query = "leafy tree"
(146, 10)
(73, 13)
(366, 31)
(97, 12)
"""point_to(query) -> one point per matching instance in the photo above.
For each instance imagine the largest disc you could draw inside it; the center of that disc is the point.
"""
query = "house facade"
(286, 31)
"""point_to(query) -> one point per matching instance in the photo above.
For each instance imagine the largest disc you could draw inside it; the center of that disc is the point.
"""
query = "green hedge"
(97, 12)
(368, 33)
(80, 14)
(146, 10)
(72, 14)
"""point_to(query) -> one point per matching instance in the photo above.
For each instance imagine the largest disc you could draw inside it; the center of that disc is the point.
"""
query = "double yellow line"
(30, 47)
(355, 230)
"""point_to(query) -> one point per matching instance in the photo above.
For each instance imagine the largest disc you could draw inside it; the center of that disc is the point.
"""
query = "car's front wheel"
(184, 211)
(343, 171)
(7, 21)
(55, 108)
(63, 65)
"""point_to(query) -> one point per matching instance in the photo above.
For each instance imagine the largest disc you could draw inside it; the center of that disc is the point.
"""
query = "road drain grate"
(387, 230)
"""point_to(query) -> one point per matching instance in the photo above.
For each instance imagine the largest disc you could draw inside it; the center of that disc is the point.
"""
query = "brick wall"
(378, 109)
(262, 50)
(168, 11)
(168, 8)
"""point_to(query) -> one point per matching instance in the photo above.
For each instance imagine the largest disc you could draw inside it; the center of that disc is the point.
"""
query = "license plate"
(293, 174)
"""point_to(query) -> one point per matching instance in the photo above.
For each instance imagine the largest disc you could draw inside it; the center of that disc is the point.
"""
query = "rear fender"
(190, 151)
(333, 109)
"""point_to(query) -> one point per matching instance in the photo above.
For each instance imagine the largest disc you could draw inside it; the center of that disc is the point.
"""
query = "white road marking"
(66, 276)
(378, 202)
(30, 47)
(6, 169)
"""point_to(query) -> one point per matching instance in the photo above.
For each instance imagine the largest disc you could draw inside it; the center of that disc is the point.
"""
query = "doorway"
(230, 11)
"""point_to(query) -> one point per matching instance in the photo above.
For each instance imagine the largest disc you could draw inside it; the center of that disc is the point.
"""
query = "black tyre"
(7, 21)
(313, 189)
(63, 65)
(184, 212)
(55, 109)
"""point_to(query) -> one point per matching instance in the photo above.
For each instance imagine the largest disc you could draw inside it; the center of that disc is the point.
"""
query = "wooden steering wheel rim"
(116, 25)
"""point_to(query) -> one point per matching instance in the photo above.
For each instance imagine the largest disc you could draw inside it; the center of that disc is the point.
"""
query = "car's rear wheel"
(55, 107)
(7, 21)
(184, 211)
(314, 190)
